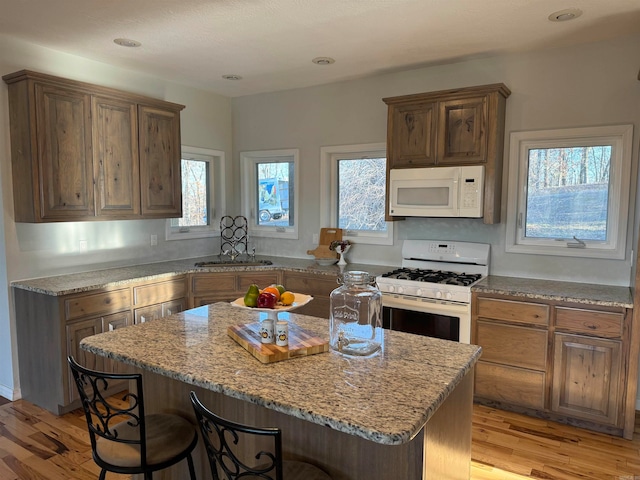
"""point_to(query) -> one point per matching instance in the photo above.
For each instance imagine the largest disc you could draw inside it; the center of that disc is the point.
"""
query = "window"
(354, 192)
(572, 191)
(202, 195)
(269, 192)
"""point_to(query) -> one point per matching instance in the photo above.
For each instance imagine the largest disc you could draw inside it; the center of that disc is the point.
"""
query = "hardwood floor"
(36, 445)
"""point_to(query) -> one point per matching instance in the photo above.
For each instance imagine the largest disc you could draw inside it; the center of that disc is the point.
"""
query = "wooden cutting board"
(301, 343)
(328, 235)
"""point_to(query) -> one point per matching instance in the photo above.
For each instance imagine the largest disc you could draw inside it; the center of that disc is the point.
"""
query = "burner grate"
(433, 276)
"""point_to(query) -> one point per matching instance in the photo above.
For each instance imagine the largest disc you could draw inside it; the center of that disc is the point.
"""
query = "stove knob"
(400, 290)
(419, 292)
(448, 296)
(438, 294)
(391, 288)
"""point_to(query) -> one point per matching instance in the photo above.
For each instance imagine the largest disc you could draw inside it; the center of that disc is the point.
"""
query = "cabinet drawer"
(310, 284)
(213, 282)
(158, 292)
(262, 279)
(512, 345)
(97, 304)
(601, 324)
(520, 312)
(516, 386)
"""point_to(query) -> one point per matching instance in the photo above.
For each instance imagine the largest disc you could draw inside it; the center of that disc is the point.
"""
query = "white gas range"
(431, 293)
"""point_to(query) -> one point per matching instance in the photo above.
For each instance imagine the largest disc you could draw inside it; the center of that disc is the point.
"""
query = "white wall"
(588, 85)
(30, 250)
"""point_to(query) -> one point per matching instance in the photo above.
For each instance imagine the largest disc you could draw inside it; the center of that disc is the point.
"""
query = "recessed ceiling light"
(232, 77)
(323, 60)
(126, 42)
(565, 15)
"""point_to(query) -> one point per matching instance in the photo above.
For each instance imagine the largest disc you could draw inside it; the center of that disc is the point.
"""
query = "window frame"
(248, 162)
(329, 189)
(620, 137)
(217, 194)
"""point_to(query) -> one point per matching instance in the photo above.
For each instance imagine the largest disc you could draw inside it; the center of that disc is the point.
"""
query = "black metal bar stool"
(222, 437)
(125, 440)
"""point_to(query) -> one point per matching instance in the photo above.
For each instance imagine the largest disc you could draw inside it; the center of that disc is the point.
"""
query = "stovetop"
(437, 270)
(434, 276)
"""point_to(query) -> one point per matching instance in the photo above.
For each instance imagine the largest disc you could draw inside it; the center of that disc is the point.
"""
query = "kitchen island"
(402, 414)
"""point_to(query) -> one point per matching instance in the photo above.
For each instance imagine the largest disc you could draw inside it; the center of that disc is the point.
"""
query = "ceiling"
(270, 43)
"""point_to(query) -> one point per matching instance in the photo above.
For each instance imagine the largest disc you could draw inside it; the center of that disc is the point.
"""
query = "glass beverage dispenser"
(355, 325)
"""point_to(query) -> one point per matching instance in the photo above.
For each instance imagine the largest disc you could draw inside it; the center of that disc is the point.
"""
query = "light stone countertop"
(587, 293)
(386, 398)
(121, 276)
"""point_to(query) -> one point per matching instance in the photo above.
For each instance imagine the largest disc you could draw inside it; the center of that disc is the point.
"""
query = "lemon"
(287, 298)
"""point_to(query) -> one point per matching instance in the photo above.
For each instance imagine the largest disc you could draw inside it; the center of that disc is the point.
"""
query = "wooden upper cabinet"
(412, 132)
(115, 156)
(464, 126)
(84, 152)
(160, 162)
(53, 171)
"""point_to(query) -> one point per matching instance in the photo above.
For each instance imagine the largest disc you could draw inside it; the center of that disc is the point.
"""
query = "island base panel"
(445, 442)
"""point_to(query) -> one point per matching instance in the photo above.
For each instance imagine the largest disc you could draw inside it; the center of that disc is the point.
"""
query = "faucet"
(233, 253)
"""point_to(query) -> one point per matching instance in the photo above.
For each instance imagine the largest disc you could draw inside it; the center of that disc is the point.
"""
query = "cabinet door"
(412, 135)
(109, 324)
(160, 154)
(65, 165)
(462, 131)
(145, 314)
(115, 157)
(75, 333)
(174, 306)
(586, 378)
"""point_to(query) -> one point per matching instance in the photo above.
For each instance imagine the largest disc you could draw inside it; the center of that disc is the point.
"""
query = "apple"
(267, 300)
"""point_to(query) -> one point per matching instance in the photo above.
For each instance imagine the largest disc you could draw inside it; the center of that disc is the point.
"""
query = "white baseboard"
(9, 393)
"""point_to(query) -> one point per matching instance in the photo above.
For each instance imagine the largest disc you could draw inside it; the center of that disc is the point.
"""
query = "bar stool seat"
(227, 460)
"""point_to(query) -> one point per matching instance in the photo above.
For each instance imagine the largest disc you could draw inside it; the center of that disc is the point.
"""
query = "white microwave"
(436, 192)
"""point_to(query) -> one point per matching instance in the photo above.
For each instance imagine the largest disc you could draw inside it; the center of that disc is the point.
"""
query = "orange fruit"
(273, 290)
(287, 298)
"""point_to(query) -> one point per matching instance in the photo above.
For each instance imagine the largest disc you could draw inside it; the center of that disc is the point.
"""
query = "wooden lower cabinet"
(318, 286)
(512, 385)
(159, 299)
(158, 310)
(211, 287)
(50, 328)
(76, 331)
(586, 377)
(556, 360)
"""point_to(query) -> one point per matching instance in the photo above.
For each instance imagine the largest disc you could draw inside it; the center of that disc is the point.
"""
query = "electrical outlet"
(83, 245)
(316, 239)
(154, 240)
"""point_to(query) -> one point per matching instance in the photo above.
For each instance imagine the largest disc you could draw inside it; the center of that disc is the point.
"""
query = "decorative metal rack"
(233, 236)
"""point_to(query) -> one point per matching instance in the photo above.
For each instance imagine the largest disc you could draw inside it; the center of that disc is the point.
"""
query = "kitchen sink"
(234, 263)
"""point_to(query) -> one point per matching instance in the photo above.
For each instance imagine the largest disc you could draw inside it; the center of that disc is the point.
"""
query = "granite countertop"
(386, 398)
(587, 293)
(122, 276)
